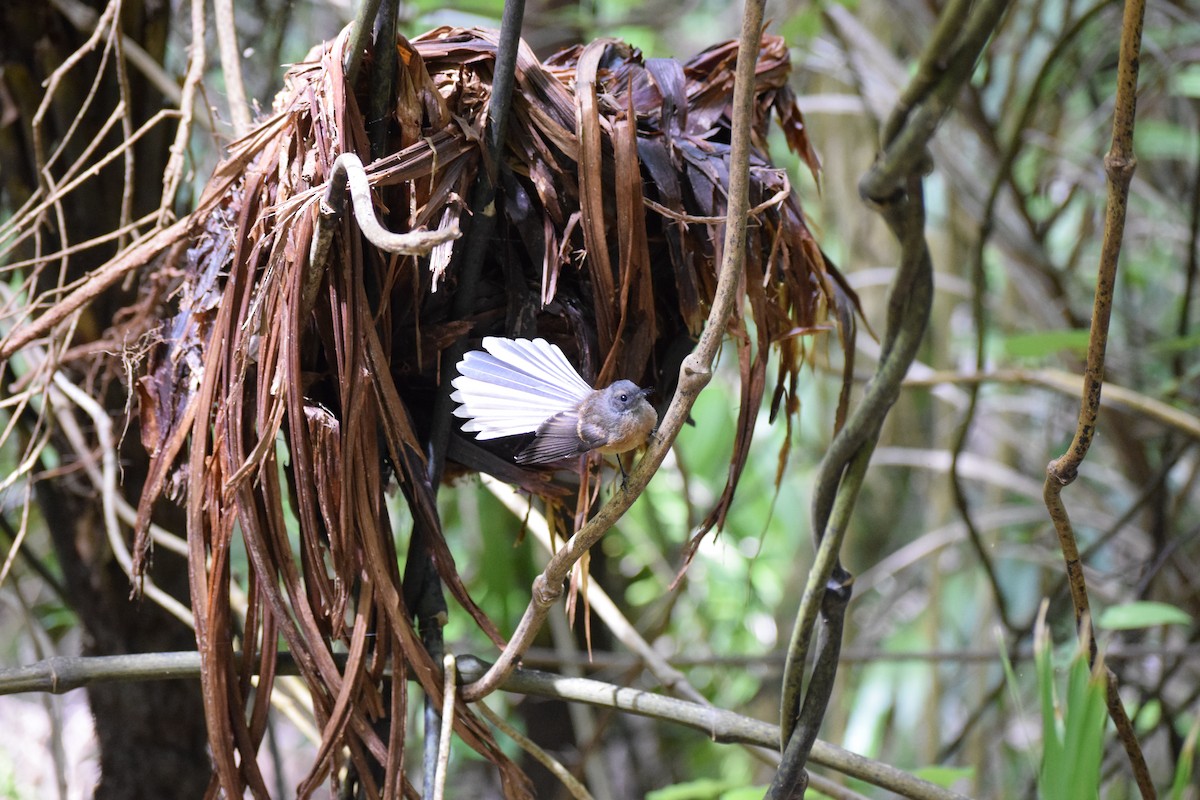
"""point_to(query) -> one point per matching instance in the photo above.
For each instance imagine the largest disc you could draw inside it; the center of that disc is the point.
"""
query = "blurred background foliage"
(1016, 201)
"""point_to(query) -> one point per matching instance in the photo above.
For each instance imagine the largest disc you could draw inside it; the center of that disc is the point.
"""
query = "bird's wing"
(560, 437)
(515, 386)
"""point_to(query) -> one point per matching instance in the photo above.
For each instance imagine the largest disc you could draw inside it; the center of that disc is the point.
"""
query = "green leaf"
(756, 793)
(701, 789)
(944, 776)
(1044, 343)
(1187, 757)
(1159, 139)
(1142, 614)
(1186, 82)
(1148, 717)
(1052, 776)
(1176, 344)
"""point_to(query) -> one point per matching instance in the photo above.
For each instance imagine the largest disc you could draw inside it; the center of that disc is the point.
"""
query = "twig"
(231, 67)
(552, 765)
(47, 183)
(775, 200)
(125, 105)
(671, 678)
(694, 373)
(449, 697)
(21, 224)
(62, 674)
(1119, 165)
(1069, 383)
(173, 173)
(99, 282)
(61, 393)
(84, 18)
(105, 480)
(720, 725)
(893, 185)
(360, 33)
(348, 169)
(1003, 177)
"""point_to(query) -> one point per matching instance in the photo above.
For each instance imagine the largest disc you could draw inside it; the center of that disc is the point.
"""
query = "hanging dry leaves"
(282, 393)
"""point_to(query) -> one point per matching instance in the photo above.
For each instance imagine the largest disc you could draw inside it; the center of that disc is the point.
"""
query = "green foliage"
(756, 792)
(709, 789)
(9, 787)
(945, 777)
(1072, 724)
(1187, 762)
(702, 789)
(1186, 82)
(1142, 614)
(1160, 139)
(1042, 344)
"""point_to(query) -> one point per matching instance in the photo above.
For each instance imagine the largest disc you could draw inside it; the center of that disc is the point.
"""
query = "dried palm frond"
(282, 394)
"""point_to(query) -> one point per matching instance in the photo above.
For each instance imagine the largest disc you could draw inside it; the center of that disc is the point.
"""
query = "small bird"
(528, 386)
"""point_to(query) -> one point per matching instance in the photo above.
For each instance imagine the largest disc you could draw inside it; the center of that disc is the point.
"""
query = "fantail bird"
(528, 386)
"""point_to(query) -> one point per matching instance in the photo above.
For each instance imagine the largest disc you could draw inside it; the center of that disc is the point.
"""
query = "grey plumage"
(516, 386)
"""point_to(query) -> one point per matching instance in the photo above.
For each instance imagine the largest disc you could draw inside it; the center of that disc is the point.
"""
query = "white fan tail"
(515, 386)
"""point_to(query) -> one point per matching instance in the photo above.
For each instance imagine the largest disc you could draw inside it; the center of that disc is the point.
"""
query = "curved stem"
(893, 186)
(694, 373)
(1119, 164)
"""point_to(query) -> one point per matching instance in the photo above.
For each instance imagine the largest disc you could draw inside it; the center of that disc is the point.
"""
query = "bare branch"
(694, 373)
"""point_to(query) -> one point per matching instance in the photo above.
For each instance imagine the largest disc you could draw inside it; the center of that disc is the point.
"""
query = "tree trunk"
(152, 735)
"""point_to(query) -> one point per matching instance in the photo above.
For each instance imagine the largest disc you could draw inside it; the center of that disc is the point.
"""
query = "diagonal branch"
(694, 373)
(1119, 164)
(894, 187)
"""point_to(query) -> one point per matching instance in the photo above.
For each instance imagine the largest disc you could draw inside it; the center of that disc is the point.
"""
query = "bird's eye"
(624, 398)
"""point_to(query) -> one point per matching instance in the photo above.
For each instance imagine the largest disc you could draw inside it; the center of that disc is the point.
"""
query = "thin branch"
(1119, 165)
(231, 67)
(84, 19)
(99, 281)
(598, 600)
(449, 698)
(173, 173)
(125, 104)
(893, 185)
(104, 479)
(360, 34)
(1067, 383)
(61, 674)
(569, 781)
(774, 201)
(349, 168)
(694, 373)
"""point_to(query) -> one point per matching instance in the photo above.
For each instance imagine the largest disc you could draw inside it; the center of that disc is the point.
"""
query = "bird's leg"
(624, 474)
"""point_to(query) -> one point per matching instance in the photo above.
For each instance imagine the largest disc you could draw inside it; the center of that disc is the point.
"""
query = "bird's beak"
(646, 392)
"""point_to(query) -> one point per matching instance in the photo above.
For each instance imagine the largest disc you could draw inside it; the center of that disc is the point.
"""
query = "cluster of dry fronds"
(612, 195)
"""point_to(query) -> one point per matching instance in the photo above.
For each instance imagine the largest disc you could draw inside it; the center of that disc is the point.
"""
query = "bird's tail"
(515, 386)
